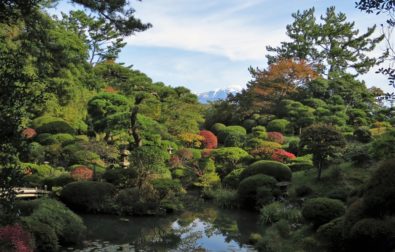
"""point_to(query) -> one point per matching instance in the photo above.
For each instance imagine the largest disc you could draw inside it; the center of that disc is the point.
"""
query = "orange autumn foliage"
(280, 80)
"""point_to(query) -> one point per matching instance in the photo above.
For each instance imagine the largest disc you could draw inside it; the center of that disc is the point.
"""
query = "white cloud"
(224, 31)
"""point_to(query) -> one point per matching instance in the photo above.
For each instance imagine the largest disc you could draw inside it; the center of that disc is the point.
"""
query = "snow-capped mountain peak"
(218, 94)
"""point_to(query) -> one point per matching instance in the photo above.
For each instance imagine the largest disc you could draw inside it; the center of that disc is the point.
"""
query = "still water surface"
(206, 228)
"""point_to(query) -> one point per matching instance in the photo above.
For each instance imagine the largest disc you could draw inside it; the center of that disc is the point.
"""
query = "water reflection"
(204, 229)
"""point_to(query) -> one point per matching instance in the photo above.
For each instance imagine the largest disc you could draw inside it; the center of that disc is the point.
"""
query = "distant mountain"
(218, 94)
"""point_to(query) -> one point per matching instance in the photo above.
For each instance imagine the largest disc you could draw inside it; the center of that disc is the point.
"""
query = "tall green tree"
(333, 46)
(323, 142)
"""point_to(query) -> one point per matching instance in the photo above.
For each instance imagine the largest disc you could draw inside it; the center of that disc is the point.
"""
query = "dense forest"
(306, 145)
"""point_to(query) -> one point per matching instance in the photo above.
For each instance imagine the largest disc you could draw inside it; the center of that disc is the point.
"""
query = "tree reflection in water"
(206, 229)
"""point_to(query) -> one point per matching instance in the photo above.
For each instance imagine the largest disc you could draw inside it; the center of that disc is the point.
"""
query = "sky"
(209, 44)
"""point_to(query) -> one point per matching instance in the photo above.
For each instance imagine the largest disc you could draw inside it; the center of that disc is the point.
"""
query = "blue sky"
(209, 44)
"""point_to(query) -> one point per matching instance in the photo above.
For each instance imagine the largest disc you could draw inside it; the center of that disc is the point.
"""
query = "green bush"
(379, 197)
(51, 222)
(89, 196)
(46, 139)
(43, 170)
(217, 127)
(36, 153)
(363, 134)
(358, 154)
(225, 198)
(235, 140)
(322, 210)
(303, 191)
(232, 180)
(259, 132)
(276, 211)
(249, 124)
(301, 166)
(248, 188)
(59, 181)
(230, 131)
(134, 201)
(84, 157)
(52, 125)
(384, 146)
(279, 171)
(373, 235)
(279, 125)
(120, 177)
(331, 234)
(167, 186)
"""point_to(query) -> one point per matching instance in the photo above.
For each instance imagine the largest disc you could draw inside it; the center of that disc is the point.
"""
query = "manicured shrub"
(384, 146)
(373, 235)
(84, 157)
(235, 140)
(279, 125)
(363, 134)
(59, 181)
(165, 187)
(331, 234)
(277, 170)
(302, 166)
(379, 197)
(15, 238)
(275, 137)
(88, 196)
(217, 127)
(282, 156)
(81, 173)
(134, 201)
(248, 188)
(259, 132)
(40, 170)
(358, 154)
(230, 130)
(232, 179)
(46, 139)
(51, 222)
(28, 133)
(36, 153)
(210, 141)
(270, 144)
(322, 210)
(121, 178)
(52, 125)
(249, 124)
(262, 152)
(303, 191)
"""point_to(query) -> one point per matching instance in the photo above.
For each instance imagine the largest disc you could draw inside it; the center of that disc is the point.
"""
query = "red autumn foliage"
(275, 137)
(282, 156)
(82, 173)
(175, 162)
(210, 140)
(28, 133)
(262, 152)
(110, 90)
(15, 237)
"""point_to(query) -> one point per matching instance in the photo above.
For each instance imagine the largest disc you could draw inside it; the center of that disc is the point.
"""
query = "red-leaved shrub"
(282, 156)
(175, 161)
(275, 137)
(82, 173)
(15, 238)
(210, 141)
(262, 152)
(28, 133)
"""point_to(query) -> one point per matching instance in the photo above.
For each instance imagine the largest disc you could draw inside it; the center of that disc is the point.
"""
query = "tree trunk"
(319, 170)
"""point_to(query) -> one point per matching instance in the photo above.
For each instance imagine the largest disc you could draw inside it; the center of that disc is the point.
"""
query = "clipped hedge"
(277, 170)
(88, 196)
(322, 210)
(249, 187)
(232, 180)
(52, 125)
(279, 125)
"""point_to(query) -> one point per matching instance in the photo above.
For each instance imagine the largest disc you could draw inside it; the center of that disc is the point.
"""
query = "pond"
(205, 228)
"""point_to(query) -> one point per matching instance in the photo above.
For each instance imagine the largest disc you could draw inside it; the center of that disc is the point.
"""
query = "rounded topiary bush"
(235, 131)
(249, 187)
(322, 210)
(331, 234)
(88, 196)
(235, 140)
(249, 124)
(373, 235)
(279, 125)
(217, 127)
(379, 197)
(52, 125)
(301, 166)
(277, 170)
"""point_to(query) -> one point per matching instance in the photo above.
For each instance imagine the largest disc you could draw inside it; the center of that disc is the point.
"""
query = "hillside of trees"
(307, 146)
